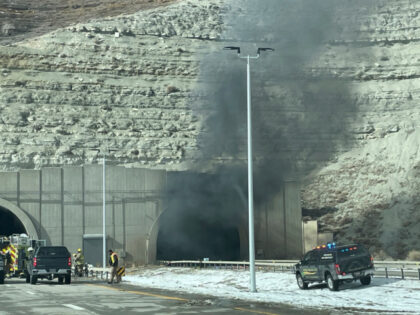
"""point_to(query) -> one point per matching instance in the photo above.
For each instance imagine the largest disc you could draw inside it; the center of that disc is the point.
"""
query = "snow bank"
(387, 295)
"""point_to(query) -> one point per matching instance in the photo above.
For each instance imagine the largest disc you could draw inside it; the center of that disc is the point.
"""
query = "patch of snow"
(382, 295)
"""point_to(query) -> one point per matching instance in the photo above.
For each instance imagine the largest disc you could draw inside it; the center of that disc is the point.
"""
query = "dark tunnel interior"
(193, 237)
(202, 217)
(9, 223)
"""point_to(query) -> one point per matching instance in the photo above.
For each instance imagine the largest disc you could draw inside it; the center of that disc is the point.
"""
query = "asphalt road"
(98, 297)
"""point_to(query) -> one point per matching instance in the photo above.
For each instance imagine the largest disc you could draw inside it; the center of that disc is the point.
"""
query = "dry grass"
(39, 17)
(413, 255)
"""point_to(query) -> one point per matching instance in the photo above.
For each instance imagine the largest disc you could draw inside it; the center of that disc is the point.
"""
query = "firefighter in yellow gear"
(79, 261)
(113, 262)
(9, 262)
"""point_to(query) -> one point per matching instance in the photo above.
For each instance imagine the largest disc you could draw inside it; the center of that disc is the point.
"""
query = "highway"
(98, 297)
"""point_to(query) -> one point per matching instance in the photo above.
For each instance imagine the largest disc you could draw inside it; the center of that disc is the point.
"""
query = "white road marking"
(75, 307)
(29, 292)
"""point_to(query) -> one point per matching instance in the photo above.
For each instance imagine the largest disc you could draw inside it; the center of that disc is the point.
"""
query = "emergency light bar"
(327, 246)
(349, 249)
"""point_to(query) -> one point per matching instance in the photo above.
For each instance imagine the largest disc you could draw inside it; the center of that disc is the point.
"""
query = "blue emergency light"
(331, 245)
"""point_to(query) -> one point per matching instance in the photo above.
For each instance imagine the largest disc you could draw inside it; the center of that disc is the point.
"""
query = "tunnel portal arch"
(25, 220)
(193, 237)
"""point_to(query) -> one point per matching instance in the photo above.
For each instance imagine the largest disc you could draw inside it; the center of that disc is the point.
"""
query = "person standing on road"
(79, 259)
(9, 263)
(113, 262)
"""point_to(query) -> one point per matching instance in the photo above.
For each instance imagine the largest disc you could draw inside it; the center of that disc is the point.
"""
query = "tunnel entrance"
(202, 218)
(194, 237)
(9, 223)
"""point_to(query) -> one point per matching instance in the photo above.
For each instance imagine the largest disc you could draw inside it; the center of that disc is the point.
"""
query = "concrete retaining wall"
(64, 206)
(279, 225)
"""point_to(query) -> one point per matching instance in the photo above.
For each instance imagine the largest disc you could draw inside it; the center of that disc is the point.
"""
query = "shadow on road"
(55, 281)
(356, 285)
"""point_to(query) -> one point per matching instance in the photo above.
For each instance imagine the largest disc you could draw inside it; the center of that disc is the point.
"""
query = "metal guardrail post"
(419, 273)
(402, 273)
(386, 272)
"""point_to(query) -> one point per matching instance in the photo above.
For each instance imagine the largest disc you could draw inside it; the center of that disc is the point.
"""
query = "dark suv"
(335, 264)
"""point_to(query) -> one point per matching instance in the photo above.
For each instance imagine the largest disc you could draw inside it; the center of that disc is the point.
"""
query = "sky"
(384, 296)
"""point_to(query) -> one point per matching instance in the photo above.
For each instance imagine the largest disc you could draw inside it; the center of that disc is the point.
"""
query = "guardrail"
(386, 269)
(96, 273)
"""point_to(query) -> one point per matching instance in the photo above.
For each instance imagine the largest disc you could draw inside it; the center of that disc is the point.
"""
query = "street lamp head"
(238, 49)
(264, 49)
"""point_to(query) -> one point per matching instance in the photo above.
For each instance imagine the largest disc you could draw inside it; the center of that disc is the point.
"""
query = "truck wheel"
(27, 278)
(1, 277)
(34, 279)
(68, 279)
(331, 283)
(301, 284)
(60, 280)
(365, 280)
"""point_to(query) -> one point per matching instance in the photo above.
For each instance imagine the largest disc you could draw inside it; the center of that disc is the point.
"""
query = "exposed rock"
(123, 78)
(128, 82)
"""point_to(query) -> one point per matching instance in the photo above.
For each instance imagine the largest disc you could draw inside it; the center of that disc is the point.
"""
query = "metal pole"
(250, 184)
(250, 170)
(103, 216)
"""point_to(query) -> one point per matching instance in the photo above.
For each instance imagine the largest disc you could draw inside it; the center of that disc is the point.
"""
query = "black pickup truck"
(49, 262)
(334, 265)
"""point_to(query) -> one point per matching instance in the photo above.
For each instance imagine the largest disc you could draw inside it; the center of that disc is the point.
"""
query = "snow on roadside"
(383, 295)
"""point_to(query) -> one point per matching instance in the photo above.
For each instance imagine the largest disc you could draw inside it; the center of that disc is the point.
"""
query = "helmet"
(79, 250)
(30, 249)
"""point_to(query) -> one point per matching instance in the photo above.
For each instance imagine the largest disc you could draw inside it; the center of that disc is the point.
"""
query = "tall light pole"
(250, 168)
(103, 205)
(103, 213)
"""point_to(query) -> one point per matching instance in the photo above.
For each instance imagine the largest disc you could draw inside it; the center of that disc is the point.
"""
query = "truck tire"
(34, 279)
(67, 279)
(1, 277)
(331, 283)
(60, 280)
(365, 280)
(301, 284)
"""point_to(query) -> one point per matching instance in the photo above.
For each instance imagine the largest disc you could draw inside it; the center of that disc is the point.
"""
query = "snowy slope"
(383, 295)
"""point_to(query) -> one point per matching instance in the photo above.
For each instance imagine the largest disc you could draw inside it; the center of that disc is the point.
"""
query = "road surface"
(98, 297)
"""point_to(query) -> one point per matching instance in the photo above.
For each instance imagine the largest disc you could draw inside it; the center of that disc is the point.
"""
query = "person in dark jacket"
(113, 262)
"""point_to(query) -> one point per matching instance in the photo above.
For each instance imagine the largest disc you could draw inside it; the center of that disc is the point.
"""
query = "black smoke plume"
(299, 111)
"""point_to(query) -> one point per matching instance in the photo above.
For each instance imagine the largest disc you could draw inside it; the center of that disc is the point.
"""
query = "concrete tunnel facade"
(64, 206)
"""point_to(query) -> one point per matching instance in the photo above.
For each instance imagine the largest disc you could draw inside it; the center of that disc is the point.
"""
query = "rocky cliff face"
(20, 19)
(342, 116)
(372, 186)
(120, 84)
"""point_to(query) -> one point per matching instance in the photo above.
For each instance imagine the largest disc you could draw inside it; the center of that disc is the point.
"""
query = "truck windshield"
(53, 251)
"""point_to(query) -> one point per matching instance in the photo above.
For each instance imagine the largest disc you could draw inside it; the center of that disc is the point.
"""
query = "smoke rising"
(299, 111)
